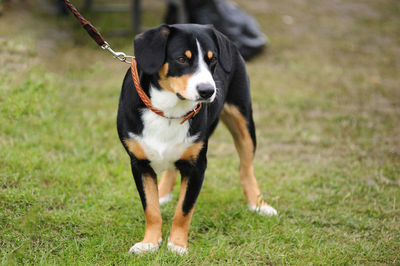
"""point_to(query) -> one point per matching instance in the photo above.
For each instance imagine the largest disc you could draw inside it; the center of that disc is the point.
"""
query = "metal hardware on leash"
(95, 34)
(121, 56)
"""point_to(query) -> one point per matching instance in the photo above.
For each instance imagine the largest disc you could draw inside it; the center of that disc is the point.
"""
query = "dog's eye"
(213, 60)
(181, 60)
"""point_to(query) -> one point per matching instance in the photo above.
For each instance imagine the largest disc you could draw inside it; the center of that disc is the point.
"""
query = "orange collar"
(146, 100)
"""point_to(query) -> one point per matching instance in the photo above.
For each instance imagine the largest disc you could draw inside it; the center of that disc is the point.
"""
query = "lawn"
(326, 98)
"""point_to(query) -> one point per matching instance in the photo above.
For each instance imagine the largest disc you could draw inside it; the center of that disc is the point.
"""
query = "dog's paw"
(165, 199)
(264, 210)
(178, 250)
(141, 247)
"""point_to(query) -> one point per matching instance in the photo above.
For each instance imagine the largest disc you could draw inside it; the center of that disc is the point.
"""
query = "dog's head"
(183, 59)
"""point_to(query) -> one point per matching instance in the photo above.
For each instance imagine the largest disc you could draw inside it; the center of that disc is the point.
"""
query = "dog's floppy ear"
(150, 48)
(224, 49)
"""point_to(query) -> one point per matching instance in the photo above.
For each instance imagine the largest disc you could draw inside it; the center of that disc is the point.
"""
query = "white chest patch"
(164, 140)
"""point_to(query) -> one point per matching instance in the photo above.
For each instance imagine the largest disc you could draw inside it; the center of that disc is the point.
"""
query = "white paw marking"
(264, 210)
(178, 250)
(165, 199)
(141, 247)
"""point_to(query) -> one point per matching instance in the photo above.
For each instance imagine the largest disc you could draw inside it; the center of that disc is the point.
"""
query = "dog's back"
(183, 68)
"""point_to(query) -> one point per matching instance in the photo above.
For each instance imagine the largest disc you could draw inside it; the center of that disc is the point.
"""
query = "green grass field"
(327, 110)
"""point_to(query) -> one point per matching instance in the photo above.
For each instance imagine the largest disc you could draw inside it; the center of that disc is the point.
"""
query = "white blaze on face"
(201, 76)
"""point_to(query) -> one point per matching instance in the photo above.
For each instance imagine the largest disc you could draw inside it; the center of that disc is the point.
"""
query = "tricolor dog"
(181, 66)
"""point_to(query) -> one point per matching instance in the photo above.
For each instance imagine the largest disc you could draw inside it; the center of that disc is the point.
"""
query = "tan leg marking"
(192, 151)
(181, 223)
(136, 149)
(152, 213)
(167, 183)
(237, 125)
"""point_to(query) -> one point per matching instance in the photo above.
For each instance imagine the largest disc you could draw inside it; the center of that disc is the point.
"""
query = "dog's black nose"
(206, 90)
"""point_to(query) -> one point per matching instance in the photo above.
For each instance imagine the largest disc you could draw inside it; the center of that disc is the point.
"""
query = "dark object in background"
(226, 17)
(61, 8)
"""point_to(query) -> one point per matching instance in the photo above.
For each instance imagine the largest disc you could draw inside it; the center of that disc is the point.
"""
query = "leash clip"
(121, 56)
(196, 109)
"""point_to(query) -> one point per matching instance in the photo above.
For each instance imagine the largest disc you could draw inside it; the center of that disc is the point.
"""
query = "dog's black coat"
(163, 45)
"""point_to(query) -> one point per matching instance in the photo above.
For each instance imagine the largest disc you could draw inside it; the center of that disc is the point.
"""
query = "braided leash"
(93, 32)
(96, 36)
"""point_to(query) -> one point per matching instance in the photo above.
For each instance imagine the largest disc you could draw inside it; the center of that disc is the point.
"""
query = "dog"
(180, 67)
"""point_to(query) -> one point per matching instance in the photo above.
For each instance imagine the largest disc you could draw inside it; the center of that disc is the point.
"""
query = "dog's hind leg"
(241, 126)
(166, 186)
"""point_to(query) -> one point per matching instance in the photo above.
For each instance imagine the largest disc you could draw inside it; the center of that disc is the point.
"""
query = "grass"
(327, 109)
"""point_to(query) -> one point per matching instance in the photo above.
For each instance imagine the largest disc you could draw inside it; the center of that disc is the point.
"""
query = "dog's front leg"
(192, 179)
(146, 183)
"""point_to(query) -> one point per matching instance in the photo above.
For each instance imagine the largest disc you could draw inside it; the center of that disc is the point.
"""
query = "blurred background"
(326, 99)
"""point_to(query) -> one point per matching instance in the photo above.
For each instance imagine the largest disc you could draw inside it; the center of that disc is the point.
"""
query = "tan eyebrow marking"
(188, 54)
(210, 54)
